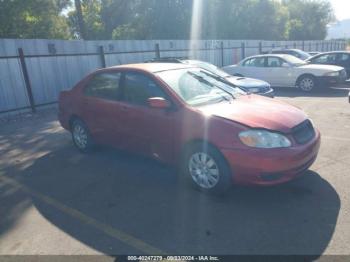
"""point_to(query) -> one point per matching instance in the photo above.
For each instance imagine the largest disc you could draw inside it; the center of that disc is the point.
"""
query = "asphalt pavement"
(55, 200)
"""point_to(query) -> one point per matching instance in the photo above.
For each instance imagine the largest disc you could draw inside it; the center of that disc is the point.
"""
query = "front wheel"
(81, 136)
(207, 169)
(306, 83)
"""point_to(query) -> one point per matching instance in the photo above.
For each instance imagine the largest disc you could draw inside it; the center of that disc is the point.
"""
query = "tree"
(166, 19)
(33, 19)
(308, 19)
(80, 19)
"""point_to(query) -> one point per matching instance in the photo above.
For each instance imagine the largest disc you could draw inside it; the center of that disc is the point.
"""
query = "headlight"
(264, 139)
(332, 74)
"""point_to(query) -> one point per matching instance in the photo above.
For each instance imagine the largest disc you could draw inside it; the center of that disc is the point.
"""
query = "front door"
(343, 59)
(279, 74)
(146, 130)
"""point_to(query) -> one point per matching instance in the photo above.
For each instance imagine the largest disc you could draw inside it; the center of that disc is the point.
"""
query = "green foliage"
(33, 19)
(166, 19)
(308, 19)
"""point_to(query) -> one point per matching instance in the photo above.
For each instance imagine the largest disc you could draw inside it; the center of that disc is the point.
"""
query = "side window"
(324, 59)
(138, 88)
(104, 85)
(255, 62)
(274, 62)
(344, 59)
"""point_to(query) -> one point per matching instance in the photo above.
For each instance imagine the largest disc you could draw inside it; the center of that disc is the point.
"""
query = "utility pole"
(81, 22)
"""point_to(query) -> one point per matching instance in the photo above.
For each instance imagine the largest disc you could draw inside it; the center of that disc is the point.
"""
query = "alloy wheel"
(80, 136)
(307, 84)
(204, 170)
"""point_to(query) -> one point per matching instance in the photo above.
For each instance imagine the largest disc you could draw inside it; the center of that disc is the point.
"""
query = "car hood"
(247, 82)
(258, 112)
(325, 68)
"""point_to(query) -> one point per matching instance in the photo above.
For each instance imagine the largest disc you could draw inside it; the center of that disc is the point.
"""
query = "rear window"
(104, 85)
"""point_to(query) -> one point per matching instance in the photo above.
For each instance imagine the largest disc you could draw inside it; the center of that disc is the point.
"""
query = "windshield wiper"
(203, 80)
(225, 81)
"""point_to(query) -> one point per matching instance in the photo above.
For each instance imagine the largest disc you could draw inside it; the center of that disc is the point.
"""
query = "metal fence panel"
(56, 65)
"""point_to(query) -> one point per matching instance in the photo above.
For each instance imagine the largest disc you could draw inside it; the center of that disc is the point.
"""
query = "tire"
(206, 169)
(306, 83)
(81, 136)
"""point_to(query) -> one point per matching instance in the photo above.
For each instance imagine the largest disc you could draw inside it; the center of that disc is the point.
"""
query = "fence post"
(260, 47)
(310, 46)
(294, 45)
(102, 56)
(303, 46)
(26, 79)
(157, 50)
(222, 53)
(322, 46)
(316, 46)
(242, 50)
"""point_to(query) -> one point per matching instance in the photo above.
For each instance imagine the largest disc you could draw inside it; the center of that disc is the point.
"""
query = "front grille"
(303, 132)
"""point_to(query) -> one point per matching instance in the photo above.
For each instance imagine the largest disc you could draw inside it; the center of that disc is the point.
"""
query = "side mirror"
(158, 102)
(285, 65)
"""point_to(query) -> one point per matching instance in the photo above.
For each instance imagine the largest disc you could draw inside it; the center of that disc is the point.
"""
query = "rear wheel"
(81, 136)
(206, 168)
(307, 83)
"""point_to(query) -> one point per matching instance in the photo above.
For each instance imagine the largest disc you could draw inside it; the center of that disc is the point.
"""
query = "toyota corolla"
(183, 115)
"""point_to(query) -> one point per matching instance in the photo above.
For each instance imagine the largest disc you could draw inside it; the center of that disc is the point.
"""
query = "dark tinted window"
(344, 59)
(325, 59)
(104, 85)
(138, 88)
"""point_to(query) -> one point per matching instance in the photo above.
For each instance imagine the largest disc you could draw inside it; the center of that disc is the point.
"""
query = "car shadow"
(151, 202)
(323, 92)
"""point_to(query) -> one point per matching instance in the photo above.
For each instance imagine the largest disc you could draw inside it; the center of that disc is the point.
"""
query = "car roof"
(154, 67)
(336, 52)
(285, 49)
(268, 55)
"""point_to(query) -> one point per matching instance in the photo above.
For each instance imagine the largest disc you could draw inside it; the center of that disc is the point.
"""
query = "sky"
(341, 9)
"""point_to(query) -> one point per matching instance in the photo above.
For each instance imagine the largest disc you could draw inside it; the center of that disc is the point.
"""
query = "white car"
(288, 71)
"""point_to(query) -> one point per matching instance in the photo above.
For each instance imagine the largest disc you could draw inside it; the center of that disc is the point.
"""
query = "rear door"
(100, 107)
(146, 130)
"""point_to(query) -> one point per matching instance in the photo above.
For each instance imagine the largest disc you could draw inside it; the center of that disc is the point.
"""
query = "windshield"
(294, 60)
(302, 55)
(198, 87)
(209, 67)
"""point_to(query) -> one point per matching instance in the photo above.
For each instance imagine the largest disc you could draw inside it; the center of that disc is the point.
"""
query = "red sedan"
(185, 115)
